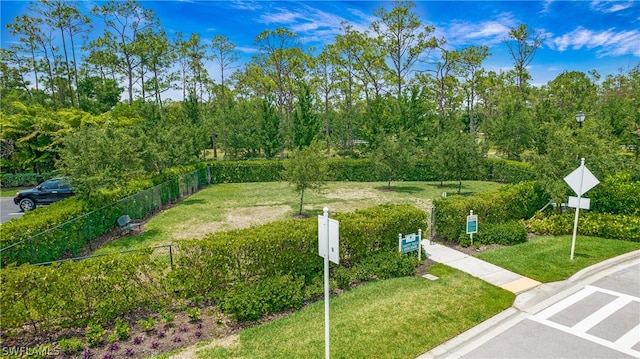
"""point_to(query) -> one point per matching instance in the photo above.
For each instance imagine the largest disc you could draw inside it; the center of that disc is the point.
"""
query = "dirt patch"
(236, 218)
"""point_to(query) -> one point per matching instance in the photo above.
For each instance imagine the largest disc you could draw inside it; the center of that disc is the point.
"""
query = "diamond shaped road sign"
(588, 180)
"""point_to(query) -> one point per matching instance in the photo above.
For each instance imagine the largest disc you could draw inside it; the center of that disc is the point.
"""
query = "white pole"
(471, 234)
(400, 242)
(419, 244)
(575, 221)
(326, 287)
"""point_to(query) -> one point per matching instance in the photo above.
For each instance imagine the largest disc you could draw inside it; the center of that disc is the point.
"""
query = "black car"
(47, 192)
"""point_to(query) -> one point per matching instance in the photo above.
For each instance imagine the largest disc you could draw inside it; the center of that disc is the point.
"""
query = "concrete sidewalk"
(488, 272)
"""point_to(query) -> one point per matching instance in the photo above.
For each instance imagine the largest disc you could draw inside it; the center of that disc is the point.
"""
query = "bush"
(602, 225)
(70, 346)
(508, 233)
(250, 301)
(511, 202)
(617, 194)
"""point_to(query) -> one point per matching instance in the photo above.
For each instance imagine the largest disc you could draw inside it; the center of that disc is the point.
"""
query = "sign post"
(580, 180)
(328, 245)
(472, 224)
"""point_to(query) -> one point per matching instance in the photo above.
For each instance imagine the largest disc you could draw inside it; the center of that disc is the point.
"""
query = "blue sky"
(579, 35)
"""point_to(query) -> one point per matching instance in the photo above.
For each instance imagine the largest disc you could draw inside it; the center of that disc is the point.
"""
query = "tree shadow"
(191, 202)
(400, 189)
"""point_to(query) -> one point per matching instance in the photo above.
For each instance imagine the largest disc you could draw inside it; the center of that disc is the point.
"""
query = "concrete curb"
(526, 303)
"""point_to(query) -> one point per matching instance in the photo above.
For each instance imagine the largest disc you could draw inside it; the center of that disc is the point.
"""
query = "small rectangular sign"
(585, 203)
(410, 243)
(472, 224)
(334, 241)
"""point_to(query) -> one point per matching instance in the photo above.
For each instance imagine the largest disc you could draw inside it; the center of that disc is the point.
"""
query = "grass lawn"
(547, 259)
(240, 205)
(397, 318)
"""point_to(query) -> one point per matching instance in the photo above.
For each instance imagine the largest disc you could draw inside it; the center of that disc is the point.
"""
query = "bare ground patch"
(236, 218)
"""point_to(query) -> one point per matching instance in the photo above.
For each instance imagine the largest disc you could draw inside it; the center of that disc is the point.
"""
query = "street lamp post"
(580, 118)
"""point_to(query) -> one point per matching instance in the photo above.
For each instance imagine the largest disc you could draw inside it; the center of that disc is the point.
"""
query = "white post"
(419, 244)
(400, 242)
(326, 287)
(575, 221)
(471, 234)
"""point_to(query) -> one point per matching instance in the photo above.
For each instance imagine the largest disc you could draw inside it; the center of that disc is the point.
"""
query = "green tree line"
(369, 92)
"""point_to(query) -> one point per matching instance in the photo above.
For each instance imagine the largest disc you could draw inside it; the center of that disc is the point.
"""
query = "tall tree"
(523, 43)
(305, 120)
(123, 22)
(456, 155)
(283, 61)
(469, 67)
(405, 38)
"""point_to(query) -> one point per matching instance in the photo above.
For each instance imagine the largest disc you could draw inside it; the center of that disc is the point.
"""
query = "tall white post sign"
(580, 180)
(328, 245)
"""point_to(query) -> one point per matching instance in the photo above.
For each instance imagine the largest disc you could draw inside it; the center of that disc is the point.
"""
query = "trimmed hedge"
(589, 224)
(617, 194)
(74, 222)
(24, 179)
(511, 202)
(508, 233)
(248, 273)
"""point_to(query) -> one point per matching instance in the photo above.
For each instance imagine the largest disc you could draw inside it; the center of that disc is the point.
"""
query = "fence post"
(89, 231)
(171, 255)
(31, 248)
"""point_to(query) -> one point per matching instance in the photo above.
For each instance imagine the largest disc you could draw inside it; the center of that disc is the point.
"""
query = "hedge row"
(64, 228)
(246, 272)
(24, 179)
(511, 202)
(602, 225)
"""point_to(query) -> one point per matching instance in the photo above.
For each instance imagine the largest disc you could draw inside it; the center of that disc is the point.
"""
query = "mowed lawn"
(548, 258)
(396, 318)
(239, 205)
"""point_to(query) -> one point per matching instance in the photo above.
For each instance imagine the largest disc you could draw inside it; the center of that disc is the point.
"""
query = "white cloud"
(490, 31)
(611, 6)
(607, 42)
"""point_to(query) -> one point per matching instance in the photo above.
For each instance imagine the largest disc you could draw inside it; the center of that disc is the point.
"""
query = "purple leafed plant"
(137, 340)
(107, 356)
(87, 354)
(198, 333)
(199, 325)
(184, 328)
(177, 339)
(161, 334)
(113, 347)
(155, 345)
(129, 352)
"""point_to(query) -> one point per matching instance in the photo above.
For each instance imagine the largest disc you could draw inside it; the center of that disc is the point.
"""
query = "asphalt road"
(8, 209)
(593, 315)
(601, 320)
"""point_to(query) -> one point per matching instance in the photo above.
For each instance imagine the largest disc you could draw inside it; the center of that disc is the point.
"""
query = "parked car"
(47, 192)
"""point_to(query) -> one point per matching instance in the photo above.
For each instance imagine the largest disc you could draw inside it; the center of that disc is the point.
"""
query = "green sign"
(472, 224)
(410, 243)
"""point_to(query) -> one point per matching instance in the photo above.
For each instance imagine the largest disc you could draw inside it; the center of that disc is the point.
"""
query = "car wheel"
(27, 204)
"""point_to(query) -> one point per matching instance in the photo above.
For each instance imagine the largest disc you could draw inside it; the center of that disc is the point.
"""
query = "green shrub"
(602, 225)
(122, 329)
(193, 314)
(511, 202)
(94, 334)
(250, 301)
(70, 346)
(508, 233)
(617, 194)
(147, 324)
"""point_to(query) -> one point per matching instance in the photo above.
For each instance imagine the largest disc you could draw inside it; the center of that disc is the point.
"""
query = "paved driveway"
(8, 209)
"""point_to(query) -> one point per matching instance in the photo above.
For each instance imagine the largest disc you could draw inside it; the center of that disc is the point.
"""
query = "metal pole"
(575, 221)
(400, 242)
(326, 286)
(419, 245)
